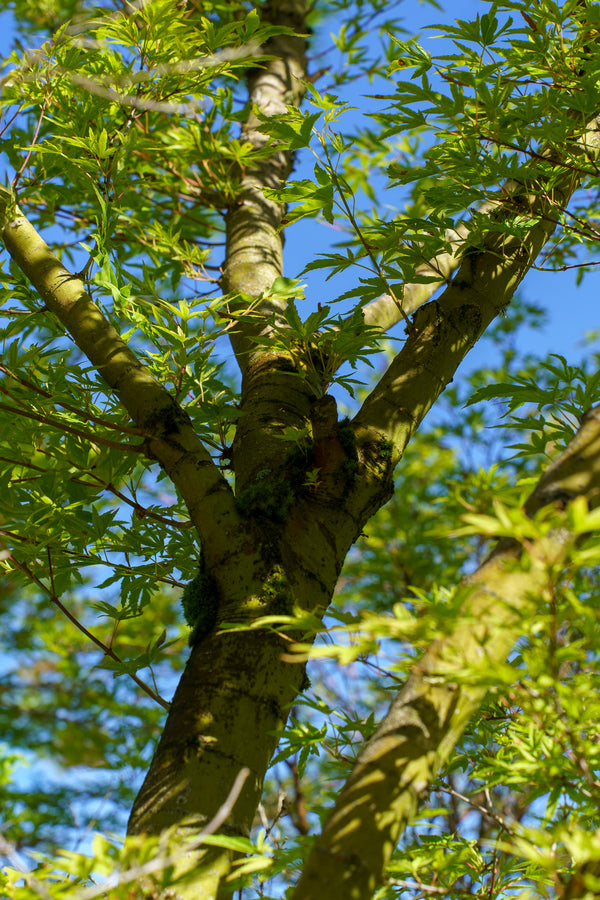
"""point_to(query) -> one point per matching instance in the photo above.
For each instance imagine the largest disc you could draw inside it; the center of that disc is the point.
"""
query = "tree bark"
(445, 689)
(279, 543)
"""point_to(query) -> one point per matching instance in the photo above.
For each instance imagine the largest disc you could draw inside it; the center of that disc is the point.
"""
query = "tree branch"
(108, 651)
(253, 258)
(385, 312)
(427, 718)
(64, 426)
(446, 329)
(172, 439)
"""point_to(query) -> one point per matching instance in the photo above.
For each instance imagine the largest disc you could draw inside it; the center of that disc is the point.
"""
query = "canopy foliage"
(174, 472)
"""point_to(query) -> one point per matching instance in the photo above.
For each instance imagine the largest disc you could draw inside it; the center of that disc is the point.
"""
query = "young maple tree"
(170, 426)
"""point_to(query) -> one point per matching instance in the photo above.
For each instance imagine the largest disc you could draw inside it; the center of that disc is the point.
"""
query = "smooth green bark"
(254, 256)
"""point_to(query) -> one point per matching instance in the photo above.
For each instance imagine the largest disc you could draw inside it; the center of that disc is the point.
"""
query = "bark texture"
(278, 542)
(445, 689)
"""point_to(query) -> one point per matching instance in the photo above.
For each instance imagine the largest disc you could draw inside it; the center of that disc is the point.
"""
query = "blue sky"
(571, 310)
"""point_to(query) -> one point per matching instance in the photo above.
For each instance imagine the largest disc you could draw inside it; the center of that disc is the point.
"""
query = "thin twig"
(32, 146)
(62, 425)
(366, 246)
(141, 511)
(97, 420)
(92, 559)
(50, 593)
(417, 886)
(482, 809)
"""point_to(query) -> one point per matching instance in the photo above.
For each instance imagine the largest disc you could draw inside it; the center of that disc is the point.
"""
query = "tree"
(154, 146)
